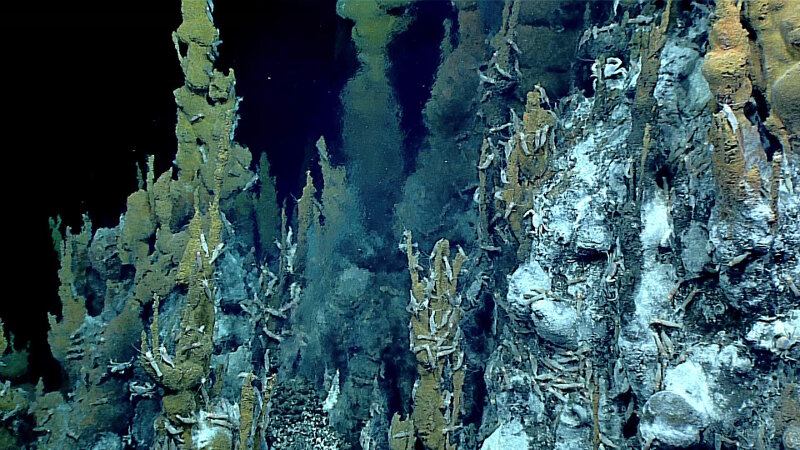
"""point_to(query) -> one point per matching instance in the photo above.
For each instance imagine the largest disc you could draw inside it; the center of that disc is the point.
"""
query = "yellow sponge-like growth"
(74, 250)
(435, 340)
(526, 165)
(786, 99)
(726, 64)
(777, 28)
(3, 341)
(402, 433)
(247, 410)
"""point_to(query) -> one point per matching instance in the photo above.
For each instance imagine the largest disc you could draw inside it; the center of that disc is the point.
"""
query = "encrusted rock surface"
(606, 229)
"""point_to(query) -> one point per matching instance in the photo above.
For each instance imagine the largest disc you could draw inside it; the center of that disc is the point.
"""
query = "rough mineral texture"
(606, 224)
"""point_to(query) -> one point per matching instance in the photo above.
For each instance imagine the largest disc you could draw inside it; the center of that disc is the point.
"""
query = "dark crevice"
(151, 243)
(455, 36)
(94, 304)
(396, 370)
(664, 176)
(757, 111)
(415, 55)
(481, 345)
(631, 427)
(127, 272)
(397, 10)
(686, 6)
(183, 49)
(752, 34)
(584, 82)
(146, 313)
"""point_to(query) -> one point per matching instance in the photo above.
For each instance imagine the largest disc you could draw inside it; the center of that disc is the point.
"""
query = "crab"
(784, 339)
(144, 390)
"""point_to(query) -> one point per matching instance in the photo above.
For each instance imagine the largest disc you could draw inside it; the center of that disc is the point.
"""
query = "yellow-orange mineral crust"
(725, 66)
